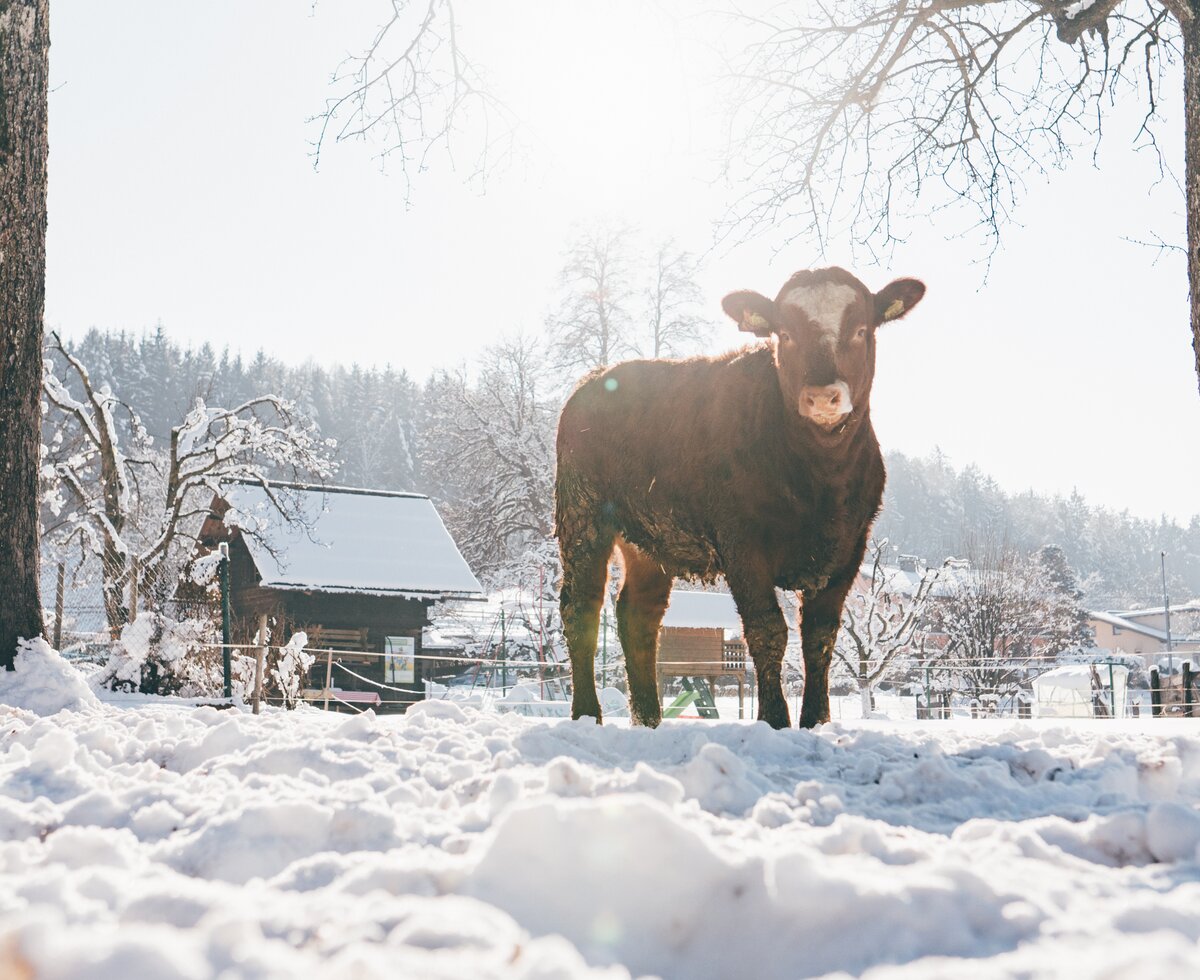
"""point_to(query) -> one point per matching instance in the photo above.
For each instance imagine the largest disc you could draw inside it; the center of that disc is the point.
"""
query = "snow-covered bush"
(290, 669)
(159, 655)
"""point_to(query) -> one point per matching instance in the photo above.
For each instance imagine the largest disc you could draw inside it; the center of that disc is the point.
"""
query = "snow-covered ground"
(175, 841)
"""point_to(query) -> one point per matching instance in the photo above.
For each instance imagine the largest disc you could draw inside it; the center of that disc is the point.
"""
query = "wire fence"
(323, 677)
(484, 652)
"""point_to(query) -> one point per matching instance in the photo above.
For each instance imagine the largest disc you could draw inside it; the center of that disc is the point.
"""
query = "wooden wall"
(296, 610)
(691, 651)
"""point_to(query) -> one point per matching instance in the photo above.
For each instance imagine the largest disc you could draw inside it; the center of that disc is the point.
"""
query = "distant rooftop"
(1134, 626)
(368, 541)
(1113, 619)
(1188, 607)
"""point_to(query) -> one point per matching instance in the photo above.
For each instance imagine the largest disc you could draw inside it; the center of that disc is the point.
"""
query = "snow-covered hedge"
(159, 655)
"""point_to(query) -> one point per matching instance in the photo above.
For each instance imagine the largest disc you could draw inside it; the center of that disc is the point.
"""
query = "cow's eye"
(785, 337)
(860, 333)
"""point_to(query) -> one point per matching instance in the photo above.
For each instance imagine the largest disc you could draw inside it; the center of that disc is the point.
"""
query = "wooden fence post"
(1187, 689)
(328, 675)
(1155, 693)
(226, 631)
(260, 656)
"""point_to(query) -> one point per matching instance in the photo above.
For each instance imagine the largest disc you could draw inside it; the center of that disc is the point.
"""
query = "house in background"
(701, 638)
(358, 573)
(1144, 631)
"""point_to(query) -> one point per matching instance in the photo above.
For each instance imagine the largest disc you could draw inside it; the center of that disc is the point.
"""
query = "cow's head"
(823, 325)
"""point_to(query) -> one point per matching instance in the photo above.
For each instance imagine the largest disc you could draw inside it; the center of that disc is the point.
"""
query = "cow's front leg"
(820, 620)
(766, 638)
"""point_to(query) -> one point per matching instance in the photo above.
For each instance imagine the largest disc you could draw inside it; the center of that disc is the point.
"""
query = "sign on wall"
(399, 660)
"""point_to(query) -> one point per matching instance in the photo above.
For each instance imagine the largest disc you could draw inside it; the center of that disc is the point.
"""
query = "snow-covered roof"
(1078, 676)
(1066, 692)
(1185, 607)
(357, 541)
(702, 610)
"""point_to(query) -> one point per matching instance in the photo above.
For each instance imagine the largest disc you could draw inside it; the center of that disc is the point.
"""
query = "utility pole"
(503, 658)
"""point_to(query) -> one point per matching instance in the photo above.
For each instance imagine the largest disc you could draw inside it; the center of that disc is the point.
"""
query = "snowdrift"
(43, 682)
(183, 842)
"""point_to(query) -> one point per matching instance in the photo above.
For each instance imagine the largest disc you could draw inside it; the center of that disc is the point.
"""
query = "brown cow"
(760, 465)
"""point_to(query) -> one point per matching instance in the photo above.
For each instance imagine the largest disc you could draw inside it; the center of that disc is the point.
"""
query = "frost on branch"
(845, 114)
(290, 670)
(414, 90)
(136, 509)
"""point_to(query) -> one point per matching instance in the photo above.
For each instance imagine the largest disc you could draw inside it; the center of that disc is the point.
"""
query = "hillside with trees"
(484, 432)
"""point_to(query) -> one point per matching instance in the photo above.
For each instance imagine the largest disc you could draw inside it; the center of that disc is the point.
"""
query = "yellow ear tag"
(753, 321)
(893, 311)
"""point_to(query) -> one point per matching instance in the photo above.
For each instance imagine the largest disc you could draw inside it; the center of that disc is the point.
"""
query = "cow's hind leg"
(645, 593)
(585, 558)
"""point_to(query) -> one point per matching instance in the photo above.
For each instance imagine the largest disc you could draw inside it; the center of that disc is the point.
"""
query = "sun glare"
(611, 97)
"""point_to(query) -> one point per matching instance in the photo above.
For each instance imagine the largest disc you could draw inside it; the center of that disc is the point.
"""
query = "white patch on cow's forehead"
(824, 303)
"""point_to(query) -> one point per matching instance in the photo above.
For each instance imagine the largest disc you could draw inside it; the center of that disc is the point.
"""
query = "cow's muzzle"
(826, 405)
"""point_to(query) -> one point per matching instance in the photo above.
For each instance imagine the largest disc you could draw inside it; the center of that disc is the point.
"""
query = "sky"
(183, 192)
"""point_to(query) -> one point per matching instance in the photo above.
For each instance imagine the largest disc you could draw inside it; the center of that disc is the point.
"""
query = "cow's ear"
(752, 311)
(897, 298)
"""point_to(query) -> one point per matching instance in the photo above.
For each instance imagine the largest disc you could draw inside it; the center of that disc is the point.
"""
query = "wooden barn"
(700, 637)
(358, 573)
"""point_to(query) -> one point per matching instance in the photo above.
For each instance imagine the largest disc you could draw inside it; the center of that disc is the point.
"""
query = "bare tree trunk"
(24, 57)
(1190, 28)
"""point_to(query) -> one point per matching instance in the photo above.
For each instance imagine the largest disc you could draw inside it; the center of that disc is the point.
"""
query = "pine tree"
(1065, 628)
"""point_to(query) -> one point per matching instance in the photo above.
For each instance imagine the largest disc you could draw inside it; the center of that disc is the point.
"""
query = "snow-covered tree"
(137, 509)
(610, 285)
(1065, 626)
(674, 323)
(592, 326)
(883, 622)
(491, 439)
(991, 608)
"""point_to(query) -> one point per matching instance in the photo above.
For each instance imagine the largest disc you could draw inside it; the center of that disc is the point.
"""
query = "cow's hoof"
(814, 719)
(586, 711)
(646, 719)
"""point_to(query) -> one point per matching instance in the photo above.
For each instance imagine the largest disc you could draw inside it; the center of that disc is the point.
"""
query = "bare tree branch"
(413, 90)
(847, 113)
